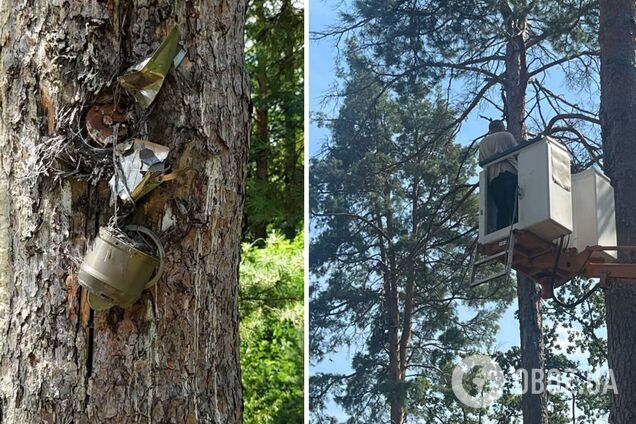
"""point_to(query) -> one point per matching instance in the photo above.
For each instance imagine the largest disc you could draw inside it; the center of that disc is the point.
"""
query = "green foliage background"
(275, 58)
(271, 273)
(272, 330)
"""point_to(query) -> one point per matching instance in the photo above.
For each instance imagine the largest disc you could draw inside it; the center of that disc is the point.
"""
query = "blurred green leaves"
(271, 306)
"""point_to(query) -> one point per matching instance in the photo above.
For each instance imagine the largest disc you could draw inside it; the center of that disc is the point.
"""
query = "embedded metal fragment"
(101, 121)
(145, 79)
(179, 57)
(151, 181)
(116, 270)
(139, 169)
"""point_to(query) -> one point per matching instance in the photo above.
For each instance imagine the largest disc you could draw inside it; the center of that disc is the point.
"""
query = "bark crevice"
(89, 357)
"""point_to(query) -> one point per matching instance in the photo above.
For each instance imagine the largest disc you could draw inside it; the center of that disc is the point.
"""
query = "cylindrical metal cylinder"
(116, 271)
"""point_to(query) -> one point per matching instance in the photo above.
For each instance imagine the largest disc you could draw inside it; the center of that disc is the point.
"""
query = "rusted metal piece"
(101, 121)
(535, 258)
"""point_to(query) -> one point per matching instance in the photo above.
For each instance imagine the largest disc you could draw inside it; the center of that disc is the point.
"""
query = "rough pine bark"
(173, 356)
(618, 126)
(534, 406)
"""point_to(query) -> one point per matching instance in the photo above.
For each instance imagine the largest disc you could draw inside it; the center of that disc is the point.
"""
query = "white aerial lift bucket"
(544, 197)
(566, 225)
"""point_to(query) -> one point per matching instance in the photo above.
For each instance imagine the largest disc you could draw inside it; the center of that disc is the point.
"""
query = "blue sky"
(322, 56)
(322, 69)
(322, 66)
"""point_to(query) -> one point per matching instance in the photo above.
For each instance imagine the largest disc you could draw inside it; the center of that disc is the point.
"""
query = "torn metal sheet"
(179, 57)
(151, 181)
(145, 79)
(140, 166)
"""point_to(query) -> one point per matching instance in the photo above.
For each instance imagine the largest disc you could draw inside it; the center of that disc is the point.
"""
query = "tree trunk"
(261, 144)
(392, 316)
(173, 356)
(391, 313)
(395, 376)
(397, 398)
(534, 406)
(393, 320)
(618, 125)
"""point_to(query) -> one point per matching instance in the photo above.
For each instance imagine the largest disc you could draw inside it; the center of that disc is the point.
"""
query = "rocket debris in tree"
(140, 168)
(118, 267)
(145, 79)
(100, 123)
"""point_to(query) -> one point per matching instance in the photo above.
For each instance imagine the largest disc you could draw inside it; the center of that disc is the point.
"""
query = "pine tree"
(274, 33)
(495, 53)
(394, 215)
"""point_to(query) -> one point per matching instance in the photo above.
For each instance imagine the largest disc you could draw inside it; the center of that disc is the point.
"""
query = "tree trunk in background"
(618, 125)
(173, 356)
(261, 143)
(393, 314)
(534, 406)
(262, 135)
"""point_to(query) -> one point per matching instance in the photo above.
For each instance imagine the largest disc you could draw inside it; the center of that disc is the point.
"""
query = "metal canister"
(116, 272)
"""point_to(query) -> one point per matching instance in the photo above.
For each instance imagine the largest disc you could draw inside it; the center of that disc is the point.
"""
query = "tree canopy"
(394, 215)
(497, 54)
(533, 63)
